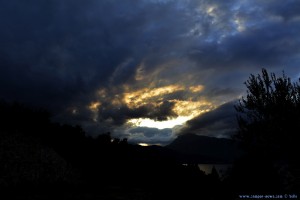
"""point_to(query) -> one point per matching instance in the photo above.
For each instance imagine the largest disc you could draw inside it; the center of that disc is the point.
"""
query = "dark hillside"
(203, 149)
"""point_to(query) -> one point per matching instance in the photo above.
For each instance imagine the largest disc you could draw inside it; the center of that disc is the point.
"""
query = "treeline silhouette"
(268, 117)
(41, 159)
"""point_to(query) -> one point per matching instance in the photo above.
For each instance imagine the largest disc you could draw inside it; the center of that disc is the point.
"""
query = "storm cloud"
(102, 64)
(220, 122)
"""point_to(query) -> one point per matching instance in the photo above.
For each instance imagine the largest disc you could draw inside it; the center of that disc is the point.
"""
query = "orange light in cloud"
(94, 106)
(139, 97)
(197, 88)
(191, 108)
(184, 109)
(101, 93)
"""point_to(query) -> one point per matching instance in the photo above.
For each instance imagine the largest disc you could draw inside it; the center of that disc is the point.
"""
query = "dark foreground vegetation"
(45, 160)
(40, 159)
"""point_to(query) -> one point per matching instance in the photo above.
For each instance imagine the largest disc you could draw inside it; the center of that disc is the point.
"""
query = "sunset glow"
(145, 95)
(106, 79)
(172, 62)
(150, 123)
(184, 109)
(94, 106)
(143, 144)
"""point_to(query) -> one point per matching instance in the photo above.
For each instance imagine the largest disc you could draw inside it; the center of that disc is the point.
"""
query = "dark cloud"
(151, 132)
(289, 10)
(67, 48)
(59, 54)
(120, 115)
(220, 122)
(150, 135)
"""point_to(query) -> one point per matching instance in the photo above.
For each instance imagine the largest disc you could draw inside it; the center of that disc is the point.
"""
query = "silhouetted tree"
(268, 119)
(124, 142)
(104, 139)
(269, 115)
(116, 141)
(214, 173)
(16, 117)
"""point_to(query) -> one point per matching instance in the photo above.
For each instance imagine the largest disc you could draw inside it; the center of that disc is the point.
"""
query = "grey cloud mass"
(151, 135)
(61, 54)
(220, 122)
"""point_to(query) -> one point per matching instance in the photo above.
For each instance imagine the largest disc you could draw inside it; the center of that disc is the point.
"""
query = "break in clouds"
(111, 65)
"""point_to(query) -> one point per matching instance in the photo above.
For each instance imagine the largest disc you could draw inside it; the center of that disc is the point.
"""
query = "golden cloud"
(191, 108)
(94, 106)
(184, 107)
(145, 95)
(197, 88)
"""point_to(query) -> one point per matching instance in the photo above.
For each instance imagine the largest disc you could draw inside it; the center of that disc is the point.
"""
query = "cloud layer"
(103, 64)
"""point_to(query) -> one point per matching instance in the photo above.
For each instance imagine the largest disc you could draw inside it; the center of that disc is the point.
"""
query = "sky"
(147, 70)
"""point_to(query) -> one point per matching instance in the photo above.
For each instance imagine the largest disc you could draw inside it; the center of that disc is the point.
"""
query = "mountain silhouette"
(204, 149)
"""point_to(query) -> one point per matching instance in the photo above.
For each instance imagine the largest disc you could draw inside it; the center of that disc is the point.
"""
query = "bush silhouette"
(268, 119)
(269, 115)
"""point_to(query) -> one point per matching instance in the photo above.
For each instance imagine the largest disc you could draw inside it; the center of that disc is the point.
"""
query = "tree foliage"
(269, 114)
